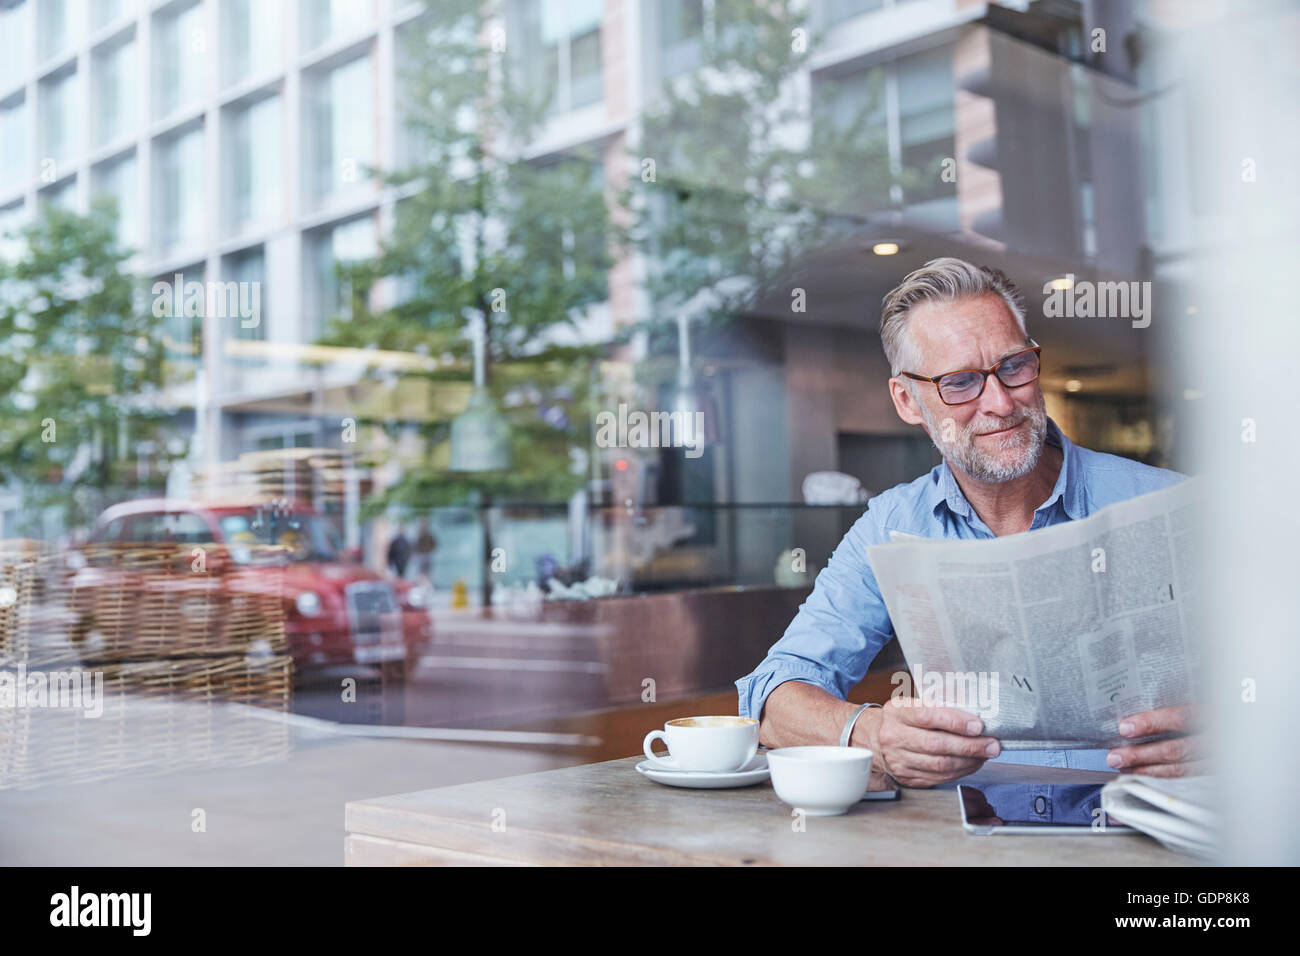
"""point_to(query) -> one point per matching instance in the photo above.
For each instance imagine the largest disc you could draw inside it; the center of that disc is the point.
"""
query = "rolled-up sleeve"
(838, 630)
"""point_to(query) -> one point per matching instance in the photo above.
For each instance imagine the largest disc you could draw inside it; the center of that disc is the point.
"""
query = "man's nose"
(997, 399)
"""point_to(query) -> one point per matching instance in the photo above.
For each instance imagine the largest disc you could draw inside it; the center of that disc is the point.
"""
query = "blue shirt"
(843, 624)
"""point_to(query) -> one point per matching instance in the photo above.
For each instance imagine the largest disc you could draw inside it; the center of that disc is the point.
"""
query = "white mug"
(705, 744)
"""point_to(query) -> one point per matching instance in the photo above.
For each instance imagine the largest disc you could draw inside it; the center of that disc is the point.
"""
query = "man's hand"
(1177, 757)
(922, 746)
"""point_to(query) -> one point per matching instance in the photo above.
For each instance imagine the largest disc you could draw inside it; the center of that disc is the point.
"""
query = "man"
(399, 552)
(964, 368)
(425, 544)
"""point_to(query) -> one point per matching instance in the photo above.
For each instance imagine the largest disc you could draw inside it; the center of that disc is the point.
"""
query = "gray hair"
(939, 280)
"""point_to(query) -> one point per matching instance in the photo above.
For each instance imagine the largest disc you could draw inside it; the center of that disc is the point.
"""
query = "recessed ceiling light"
(885, 248)
(1062, 283)
(1073, 385)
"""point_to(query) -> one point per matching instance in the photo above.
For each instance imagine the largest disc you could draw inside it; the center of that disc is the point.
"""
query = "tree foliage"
(742, 169)
(78, 357)
(482, 230)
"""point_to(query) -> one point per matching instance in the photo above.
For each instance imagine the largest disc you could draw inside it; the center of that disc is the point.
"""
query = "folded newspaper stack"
(1054, 636)
(1178, 812)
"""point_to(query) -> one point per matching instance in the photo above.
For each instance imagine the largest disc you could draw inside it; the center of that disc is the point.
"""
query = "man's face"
(997, 437)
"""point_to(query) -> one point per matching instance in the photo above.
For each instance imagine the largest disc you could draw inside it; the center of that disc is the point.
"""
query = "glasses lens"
(960, 387)
(1019, 369)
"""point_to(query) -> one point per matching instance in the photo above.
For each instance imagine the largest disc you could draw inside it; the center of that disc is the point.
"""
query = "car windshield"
(307, 537)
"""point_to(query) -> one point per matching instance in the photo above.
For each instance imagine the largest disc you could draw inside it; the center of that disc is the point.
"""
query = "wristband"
(847, 734)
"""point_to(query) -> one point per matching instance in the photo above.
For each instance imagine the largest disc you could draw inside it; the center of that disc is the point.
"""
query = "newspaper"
(1054, 636)
(1180, 812)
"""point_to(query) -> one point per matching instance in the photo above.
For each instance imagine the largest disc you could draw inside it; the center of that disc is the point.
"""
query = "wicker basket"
(157, 717)
(138, 602)
(194, 665)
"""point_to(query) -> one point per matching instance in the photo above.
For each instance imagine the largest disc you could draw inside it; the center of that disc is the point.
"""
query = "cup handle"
(648, 744)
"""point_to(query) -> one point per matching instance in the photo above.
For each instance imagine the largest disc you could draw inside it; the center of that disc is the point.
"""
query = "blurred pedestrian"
(426, 542)
(399, 552)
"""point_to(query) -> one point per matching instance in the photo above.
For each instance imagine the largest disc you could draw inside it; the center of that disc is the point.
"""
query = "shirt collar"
(1068, 490)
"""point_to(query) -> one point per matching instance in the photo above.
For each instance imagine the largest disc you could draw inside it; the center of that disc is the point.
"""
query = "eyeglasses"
(966, 385)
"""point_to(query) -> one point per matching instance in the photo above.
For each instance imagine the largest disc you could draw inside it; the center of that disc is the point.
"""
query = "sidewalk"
(288, 813)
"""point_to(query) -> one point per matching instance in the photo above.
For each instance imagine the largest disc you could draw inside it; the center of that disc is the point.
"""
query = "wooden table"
(608, 814)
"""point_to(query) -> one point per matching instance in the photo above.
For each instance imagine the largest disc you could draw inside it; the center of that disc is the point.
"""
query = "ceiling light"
(1073, 385)
(885, 248)
(1062, 283)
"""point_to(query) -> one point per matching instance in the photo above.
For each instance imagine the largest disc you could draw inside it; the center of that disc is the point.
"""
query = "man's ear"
(905, 403)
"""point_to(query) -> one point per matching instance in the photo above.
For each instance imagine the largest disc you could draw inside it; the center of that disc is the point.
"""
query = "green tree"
(730, 193)
(482, 231)
(78, 356)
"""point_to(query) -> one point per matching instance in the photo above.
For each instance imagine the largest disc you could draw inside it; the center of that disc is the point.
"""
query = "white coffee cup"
(705, 744)
(821, 781)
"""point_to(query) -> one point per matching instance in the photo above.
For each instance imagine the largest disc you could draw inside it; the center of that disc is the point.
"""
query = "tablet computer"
(1036, 810)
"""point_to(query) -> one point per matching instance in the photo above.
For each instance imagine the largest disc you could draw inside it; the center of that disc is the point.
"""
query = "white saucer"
(753, 772)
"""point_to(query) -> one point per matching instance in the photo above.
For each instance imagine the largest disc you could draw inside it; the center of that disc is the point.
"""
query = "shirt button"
(1040, 804)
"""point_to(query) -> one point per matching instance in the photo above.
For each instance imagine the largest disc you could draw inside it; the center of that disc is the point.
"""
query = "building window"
(906, 105)
(180, 48)
(11, 221)
(182, 334)
(253, 164)
(251, 33)
(63, 196)
(104, 12)
(58, 129)
(15, 161)
(58, 25)
(341, 129)
(859, 98)
(15, 43)
(114, 91)
(118, 180)
(561, 50)
(324, 20)
(328, 294)
(925, 107)
(178, 190)
(681, 30)
(837, 11)
(248, 268)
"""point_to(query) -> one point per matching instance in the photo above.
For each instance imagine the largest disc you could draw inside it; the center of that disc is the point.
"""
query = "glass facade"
(328, 296)
(328, 20)
(59, 127)
(252, 163)
(341, 129)
(15, 158)
(15, 44)
(58, 26)
(180, 40)
(114, 91)
(252, 38)
(12, 219)
(117, 178)
(104, 12)
(179, 195)
(561, 54)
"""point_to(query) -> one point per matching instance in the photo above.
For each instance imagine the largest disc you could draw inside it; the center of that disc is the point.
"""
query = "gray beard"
(994, 466)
